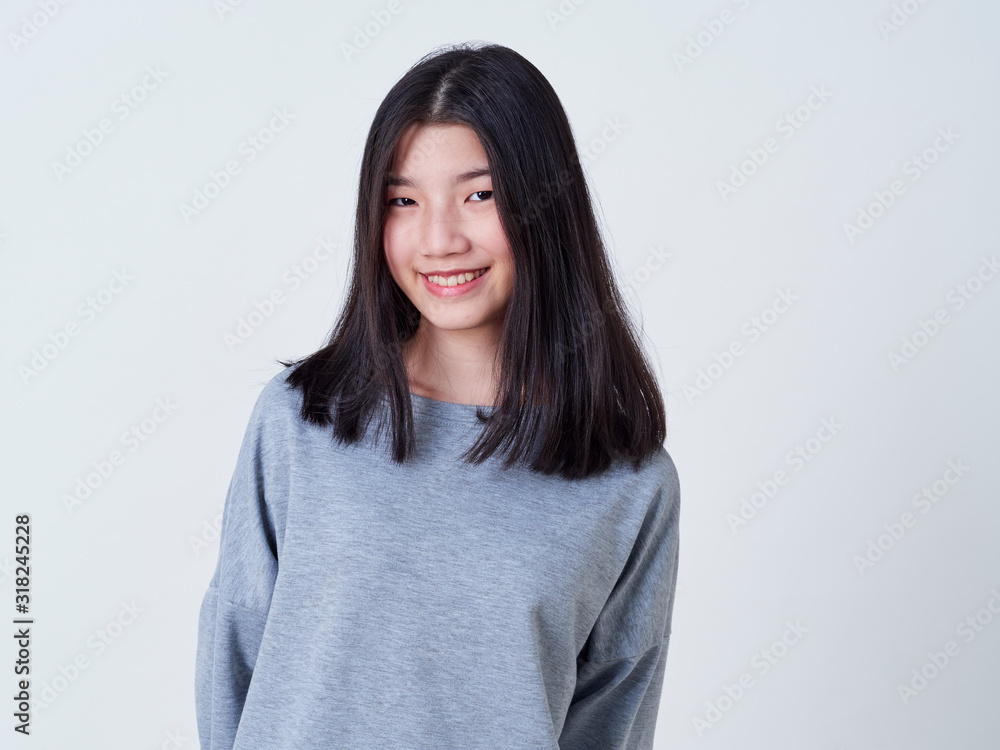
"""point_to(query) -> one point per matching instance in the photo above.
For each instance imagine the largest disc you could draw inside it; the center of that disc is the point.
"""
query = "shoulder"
(657, 480)
(656, 469)
(278, 404)
(666, 473)
(277, 390)
(651, 489)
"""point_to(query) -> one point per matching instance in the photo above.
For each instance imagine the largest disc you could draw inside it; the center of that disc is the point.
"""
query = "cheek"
(392, 232)
(499, 247)
(504, 282)
(391, 262)
(394, 244)
(388, 240)
(498, 236)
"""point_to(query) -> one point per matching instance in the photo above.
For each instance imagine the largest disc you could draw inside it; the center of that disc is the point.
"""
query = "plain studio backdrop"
(799, 200)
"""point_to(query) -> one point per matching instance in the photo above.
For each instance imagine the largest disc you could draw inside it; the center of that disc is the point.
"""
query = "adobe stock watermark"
(210, 531)
(86, 313)
(223, 8)
(584, 329)
(928, 328)
(915, 167)
(796, 459)
(173, 740)
(97, 643)
(752, 331)
(105, 467)
(32, 25)
(562, 12)
(250, 148)
(599, 144)
(554, 187)
(899, 17)
(292, 278)
(711, 30)
(551, 190)
(581, 331)
(656, 258)
(893, 532)
(428, 146)
(968, 629)
(787, 126)
(760, 664)
(363, 35)
(121, 106)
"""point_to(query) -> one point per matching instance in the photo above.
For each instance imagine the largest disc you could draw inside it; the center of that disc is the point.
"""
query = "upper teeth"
(462, 278)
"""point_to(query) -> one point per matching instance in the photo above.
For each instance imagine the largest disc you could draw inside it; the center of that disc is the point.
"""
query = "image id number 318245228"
(22, 624)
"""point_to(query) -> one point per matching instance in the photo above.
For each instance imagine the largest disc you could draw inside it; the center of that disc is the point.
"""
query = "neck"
(454, 366)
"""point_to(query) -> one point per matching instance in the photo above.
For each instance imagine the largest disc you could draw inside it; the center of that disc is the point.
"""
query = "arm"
(234, 608)
(621, 668)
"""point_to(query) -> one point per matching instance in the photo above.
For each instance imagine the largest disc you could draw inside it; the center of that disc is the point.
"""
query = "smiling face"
(441, 225)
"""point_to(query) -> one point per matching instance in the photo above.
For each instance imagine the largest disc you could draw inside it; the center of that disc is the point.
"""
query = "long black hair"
(574, 389)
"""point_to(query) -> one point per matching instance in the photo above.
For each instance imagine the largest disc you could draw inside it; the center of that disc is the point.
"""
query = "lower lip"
(453, 291)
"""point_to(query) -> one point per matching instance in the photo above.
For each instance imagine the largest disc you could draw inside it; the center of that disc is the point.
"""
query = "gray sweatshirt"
(360, 604)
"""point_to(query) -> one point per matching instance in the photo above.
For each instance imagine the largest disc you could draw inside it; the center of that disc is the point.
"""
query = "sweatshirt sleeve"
(235, 606)
(621, 667)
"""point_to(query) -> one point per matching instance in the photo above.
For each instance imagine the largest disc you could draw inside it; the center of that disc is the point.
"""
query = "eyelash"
(475, 193)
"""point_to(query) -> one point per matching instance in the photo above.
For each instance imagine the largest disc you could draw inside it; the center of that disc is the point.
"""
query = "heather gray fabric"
(360, 604)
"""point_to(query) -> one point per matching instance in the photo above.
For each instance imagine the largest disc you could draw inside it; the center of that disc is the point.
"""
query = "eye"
(400, 199)
(487, 193)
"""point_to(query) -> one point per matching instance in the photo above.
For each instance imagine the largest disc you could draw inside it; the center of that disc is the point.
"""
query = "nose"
(443, 231)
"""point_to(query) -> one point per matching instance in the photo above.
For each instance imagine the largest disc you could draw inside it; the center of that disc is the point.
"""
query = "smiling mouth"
(457, 280)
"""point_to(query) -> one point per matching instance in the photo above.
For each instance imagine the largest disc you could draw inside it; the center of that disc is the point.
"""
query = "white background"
(146, 534)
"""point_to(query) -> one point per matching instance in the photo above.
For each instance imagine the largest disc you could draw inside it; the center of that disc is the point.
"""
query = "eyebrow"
(472, 174)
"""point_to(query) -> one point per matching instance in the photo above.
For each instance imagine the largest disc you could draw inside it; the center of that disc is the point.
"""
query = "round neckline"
(447, 409)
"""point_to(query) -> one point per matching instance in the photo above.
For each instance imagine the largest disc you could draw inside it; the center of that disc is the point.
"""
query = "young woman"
(420, 592)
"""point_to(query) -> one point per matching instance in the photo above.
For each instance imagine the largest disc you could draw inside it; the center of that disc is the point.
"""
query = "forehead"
(431, 148)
